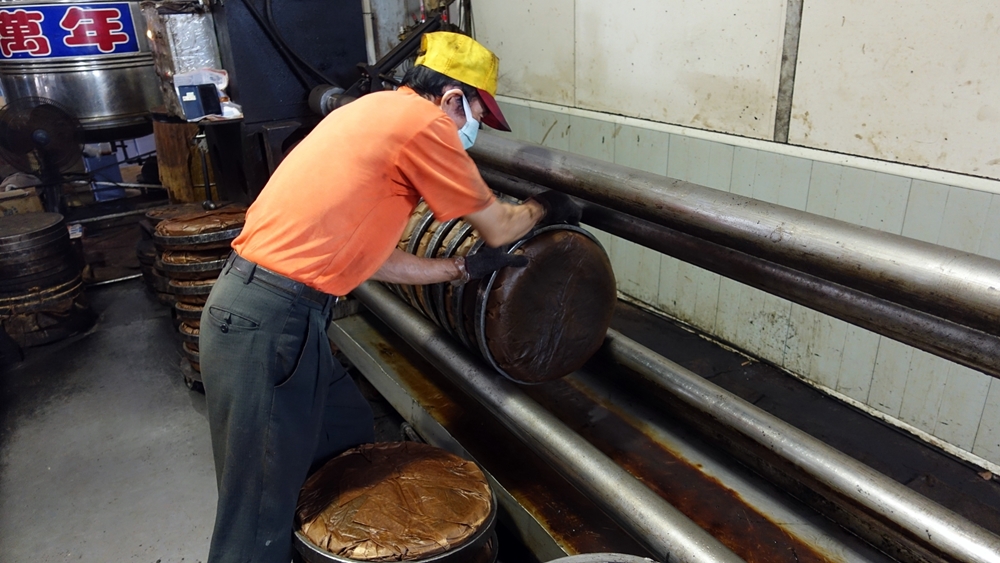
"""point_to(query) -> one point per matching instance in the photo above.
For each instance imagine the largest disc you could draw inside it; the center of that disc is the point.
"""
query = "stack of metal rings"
(532, 324)
(41, 291)
(146, 251)
(191, 251)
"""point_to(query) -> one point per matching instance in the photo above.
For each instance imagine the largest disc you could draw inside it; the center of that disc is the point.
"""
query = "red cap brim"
(494, 118)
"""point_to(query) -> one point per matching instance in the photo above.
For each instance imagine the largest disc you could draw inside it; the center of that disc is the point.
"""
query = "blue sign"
(66, 30)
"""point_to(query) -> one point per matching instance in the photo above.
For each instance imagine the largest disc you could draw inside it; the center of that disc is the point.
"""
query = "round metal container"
(480, 548)
(191, 287)
(173, 211)
(188, 314)
(48, 315)
(198, 300)
(191, 351)
(188, 333)
(464, 310)
(101, 71)
(35, 253)
(204, 241)
(193, 270)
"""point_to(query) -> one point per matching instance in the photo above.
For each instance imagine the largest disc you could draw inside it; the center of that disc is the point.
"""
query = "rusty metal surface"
(573, 522)
(711, 504)
(779, 535)
(650, 520)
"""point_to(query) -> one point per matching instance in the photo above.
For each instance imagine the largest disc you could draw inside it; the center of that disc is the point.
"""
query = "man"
(329, 219)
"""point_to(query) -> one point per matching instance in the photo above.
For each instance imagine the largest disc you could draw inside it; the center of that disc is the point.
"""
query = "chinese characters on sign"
(66, 30)
(101, 27)
(21, 32)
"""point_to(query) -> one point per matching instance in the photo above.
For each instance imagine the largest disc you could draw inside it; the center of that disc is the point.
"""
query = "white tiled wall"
(952, 403)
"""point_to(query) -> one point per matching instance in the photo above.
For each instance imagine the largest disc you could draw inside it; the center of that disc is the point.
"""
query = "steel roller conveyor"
(958, 343)
(655, 524)
(893, 517)
(955, 286)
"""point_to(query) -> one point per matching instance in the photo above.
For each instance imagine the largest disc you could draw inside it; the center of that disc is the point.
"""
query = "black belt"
(252, 271)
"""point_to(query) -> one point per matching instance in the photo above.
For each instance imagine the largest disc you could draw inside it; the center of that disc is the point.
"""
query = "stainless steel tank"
(92, 57)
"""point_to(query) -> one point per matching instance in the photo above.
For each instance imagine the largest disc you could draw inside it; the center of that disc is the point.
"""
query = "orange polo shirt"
(335, 208)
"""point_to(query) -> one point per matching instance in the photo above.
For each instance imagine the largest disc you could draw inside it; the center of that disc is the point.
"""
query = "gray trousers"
(278, 404)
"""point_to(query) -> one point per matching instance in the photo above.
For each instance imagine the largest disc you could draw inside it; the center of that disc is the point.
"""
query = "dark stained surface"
(951, 482)
(703, 499)
(573, 520)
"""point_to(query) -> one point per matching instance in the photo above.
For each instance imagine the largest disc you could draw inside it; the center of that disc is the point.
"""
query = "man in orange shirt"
(329, 219)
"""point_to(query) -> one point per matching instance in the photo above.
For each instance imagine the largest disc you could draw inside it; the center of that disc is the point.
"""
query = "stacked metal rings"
(41, 291)
(190, 251)
(531, 325)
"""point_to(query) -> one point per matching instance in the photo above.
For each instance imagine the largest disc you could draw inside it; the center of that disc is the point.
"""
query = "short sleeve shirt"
(335, 208)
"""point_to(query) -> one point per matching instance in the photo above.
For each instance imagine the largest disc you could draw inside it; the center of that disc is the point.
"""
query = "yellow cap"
(464, 59)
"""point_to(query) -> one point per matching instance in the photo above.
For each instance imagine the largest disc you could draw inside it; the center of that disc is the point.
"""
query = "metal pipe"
(955, 285)
(654, 523)
(958, 343)
(923, 521)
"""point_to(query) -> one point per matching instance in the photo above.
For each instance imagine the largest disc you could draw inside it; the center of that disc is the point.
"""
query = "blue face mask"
(471, 128)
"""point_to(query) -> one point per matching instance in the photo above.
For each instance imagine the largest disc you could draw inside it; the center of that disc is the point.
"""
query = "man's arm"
(403, 267)
(503, 223)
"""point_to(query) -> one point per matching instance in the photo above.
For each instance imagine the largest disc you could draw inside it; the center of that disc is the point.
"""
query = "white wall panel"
(549, 128)
(695, 291)
(910, 81)
(923, 211)
(637, 267)
(962, 404)
(925, 387)
(519, 119)
(887, 203)
(858, 364)
(535, 42)
(889, 379)
(964, 217)
(988, 437)
(592, 138)
(990, 243)
(712, 65)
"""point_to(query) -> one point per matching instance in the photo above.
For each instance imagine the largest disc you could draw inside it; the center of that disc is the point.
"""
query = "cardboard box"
(20, 201)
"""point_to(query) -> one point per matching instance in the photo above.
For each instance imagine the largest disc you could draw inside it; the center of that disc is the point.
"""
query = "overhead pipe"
(928, 527)
(655, 524)
(958, 343)
(954, 285)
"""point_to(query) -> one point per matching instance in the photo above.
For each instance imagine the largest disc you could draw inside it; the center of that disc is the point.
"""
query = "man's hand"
(487, 260)
(559, 208)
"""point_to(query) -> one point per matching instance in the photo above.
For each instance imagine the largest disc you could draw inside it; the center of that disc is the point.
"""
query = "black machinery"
(286, 70)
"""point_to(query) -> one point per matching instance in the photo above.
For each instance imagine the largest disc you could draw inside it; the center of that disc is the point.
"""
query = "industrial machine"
(632, 453)
(597, 461)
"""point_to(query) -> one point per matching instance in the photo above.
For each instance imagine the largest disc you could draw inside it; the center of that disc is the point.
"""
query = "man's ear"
(451, 103)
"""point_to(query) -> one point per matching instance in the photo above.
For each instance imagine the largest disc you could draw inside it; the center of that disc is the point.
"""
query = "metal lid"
(24, 227)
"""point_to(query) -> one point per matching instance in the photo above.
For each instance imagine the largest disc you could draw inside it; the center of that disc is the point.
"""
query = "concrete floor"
(104, 453)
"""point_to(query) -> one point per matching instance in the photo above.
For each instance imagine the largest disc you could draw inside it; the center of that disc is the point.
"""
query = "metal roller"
(888, 514)
(480, 313)
(659, 527)
(954, 285)
(970, 347)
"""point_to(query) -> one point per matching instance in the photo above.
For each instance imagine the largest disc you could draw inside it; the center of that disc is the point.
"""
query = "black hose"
(288, 57)
(288, 48)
